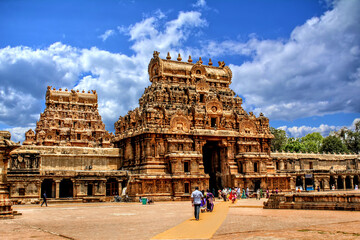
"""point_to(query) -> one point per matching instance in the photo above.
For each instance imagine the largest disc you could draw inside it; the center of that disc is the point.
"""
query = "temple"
(71, 118)
(190, 130)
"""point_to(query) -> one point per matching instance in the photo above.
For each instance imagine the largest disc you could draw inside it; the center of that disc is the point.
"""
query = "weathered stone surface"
(71, 118)
(315, 201)
(6, 145)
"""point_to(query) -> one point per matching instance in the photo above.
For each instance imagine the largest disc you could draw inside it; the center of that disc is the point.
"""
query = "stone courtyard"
(246, 219)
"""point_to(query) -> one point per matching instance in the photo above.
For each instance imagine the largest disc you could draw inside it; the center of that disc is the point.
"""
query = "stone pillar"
(281, 165)
(327, 184)
(343, 178)
(292, 183)
(57, 188)
(336, 181)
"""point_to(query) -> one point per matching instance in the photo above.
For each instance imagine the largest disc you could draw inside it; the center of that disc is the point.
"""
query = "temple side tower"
(191, 130)
(71, 118)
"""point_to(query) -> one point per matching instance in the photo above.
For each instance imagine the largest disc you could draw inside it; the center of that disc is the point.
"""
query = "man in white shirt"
(196, 197)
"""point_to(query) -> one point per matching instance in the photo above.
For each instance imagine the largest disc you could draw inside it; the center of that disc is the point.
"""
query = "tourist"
(318, 188)
(243, 194)
(232, 196)
(276, 190)
(224, 194)
(196, 197)
(44, 199)
(356, 187)
(247, 192)
(267, 193)
(258, 194)
(210, 201)
(261, 193)
(238, 192)
(203, 204)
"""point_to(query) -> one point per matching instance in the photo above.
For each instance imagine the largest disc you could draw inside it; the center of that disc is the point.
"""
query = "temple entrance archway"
(212, 164)
(66, 188)
(48, 186)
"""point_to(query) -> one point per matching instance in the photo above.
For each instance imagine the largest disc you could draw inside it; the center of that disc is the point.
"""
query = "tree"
(279, 141)
(294, 145)
(333, 144)
(312, 142)
(350, 138)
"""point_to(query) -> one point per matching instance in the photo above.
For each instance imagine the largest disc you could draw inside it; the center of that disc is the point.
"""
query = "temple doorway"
(90, 189)
(112, 187)
(212, 164)
(48, 186)
(66, 188)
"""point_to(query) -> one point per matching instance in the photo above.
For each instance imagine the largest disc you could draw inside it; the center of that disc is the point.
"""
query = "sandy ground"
(245, 220)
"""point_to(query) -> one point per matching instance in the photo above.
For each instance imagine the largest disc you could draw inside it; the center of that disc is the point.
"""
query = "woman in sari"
(209, 201)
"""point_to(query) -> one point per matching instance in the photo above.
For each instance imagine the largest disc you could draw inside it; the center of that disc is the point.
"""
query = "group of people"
(202, 201)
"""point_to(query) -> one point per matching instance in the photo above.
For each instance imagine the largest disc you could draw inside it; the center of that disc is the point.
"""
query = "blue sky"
(298, 62)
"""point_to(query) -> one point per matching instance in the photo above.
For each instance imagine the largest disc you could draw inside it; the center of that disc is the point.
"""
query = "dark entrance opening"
(299, 182)
(356, 180)
(348, 182)
(340, 184)
(257, 184)
(90, 189)
(332, 181)
(47, 186)
(66, 188)
(112, 187)
(212, 164)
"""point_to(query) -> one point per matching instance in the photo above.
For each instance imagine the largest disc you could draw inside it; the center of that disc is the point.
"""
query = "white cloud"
(323, 129)
(315, 72)
(301, 131)
(199, 3)
(119, 79)
(107, 34)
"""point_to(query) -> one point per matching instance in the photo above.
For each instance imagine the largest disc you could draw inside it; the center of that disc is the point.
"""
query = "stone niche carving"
(179, 123)
(214, 107)
(247, 127)
(202, 87)
(25, 161)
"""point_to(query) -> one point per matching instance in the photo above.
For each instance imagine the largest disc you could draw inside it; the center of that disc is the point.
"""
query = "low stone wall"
(315, 201)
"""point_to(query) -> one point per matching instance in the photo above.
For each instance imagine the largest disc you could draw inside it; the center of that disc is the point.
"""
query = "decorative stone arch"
(198, 71)
(179, 123)
(214, 107)
(247, 127)
(155, 67)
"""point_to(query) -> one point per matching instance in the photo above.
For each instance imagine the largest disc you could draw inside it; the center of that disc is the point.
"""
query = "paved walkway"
(203, 229)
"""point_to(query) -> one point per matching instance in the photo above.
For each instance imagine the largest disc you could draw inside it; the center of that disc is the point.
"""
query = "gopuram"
(189, 130)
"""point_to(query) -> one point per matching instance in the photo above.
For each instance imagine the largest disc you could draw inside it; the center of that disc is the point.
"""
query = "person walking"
(196, 197)
(44, 199)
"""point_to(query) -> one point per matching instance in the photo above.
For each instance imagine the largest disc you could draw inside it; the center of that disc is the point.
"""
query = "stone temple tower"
(71, 118)
(191, 130)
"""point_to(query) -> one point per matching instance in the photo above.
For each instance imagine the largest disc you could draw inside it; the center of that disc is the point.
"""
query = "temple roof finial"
(168, 57)
(179, 58)
(200, 60)
(189, 60)
(210, 62)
